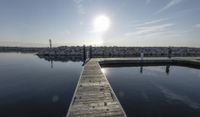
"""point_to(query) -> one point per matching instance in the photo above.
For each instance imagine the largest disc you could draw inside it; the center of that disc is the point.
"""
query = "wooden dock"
(94, 96)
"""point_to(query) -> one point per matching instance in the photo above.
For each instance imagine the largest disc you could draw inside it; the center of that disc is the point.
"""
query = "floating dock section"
(94, 96)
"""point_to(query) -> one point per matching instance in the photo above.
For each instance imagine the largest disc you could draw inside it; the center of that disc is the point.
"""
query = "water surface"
(157, 91)
(33, 87)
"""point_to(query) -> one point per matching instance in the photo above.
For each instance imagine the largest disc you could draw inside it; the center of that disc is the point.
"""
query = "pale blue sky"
(70, 22)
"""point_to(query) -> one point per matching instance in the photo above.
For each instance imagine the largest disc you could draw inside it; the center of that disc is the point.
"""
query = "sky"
(71, 22)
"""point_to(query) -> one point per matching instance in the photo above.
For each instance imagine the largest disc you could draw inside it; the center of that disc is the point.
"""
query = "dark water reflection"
(160, 91)
(32, 87)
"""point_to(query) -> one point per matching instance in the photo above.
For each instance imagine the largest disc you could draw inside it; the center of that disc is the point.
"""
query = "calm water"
(157, 91)
(31, 87)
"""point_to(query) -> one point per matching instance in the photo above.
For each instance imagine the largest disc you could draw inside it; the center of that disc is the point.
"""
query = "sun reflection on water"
(104, 70)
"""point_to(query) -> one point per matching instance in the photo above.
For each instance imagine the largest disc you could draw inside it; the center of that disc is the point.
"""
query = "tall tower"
(50, 43)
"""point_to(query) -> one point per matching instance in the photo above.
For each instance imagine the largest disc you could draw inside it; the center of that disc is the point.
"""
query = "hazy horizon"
(144, 23)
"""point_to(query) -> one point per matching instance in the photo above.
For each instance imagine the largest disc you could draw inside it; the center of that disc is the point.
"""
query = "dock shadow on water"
(156, 91)
(35, 87)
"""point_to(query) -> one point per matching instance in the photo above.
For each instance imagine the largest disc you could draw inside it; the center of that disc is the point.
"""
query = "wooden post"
(90, 51)
(141, 55)
(84, 53)
(169, 52)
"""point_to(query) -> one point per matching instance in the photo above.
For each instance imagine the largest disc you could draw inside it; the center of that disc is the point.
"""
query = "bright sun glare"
(101, 23)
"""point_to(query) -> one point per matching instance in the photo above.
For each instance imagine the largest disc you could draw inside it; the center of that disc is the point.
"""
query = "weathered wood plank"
(94, 96)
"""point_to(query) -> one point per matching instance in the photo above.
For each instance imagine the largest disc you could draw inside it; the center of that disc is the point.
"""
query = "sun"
(101, 23)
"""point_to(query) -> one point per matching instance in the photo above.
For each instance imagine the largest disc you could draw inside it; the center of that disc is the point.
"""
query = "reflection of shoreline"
(62, 58)
(21, 49)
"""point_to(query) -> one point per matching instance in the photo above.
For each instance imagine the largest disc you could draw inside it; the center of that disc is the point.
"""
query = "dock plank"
(94, 96)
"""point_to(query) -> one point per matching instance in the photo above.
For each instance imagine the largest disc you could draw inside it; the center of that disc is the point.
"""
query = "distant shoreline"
(106, 51)
(21, 49)
(99, 46)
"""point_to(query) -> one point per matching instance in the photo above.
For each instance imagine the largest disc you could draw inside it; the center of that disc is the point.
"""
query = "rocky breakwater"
(115, 51)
